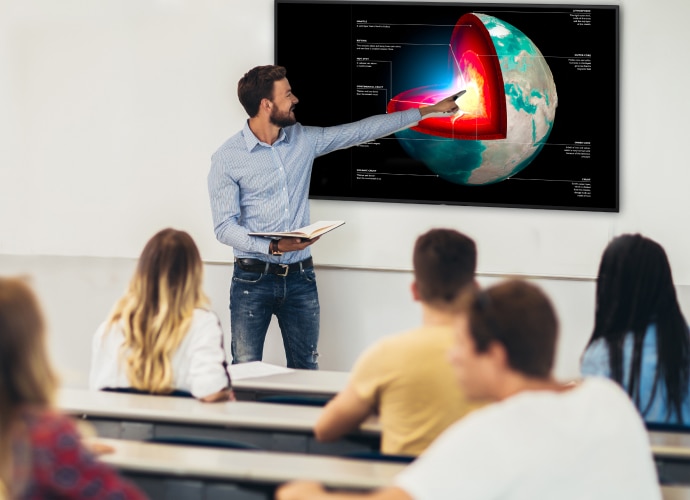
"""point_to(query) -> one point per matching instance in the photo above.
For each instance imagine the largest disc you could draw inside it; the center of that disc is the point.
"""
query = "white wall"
(110, 109)
(357, 307)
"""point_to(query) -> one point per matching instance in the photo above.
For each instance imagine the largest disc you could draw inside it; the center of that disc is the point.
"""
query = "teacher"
(259, 182)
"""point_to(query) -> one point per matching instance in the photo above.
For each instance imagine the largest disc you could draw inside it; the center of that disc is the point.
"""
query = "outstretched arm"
(344, 413)
(446, 105)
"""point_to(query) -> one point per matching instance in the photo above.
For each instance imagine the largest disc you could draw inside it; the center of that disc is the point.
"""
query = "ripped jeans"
(255, 297)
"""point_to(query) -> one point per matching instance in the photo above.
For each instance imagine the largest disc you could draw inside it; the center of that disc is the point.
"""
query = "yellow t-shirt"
(408, 378)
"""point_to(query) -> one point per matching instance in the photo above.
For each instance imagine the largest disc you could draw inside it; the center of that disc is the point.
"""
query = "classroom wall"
(357, 308)
(78, 292)
(110, 110)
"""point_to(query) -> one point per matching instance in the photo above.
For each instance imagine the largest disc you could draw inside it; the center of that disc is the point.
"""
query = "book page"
(255, 369)
(309, 232)
(317, 227)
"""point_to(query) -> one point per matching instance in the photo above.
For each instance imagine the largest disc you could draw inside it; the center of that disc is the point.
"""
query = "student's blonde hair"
(156, 311)
(27, 379)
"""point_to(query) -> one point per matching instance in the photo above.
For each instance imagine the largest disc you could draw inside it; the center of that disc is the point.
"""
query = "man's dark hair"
(444, 263)
(257, 84)
(520, 317)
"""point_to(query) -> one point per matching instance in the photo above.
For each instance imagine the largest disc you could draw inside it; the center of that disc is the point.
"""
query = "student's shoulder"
(595, 359)
(418, 341)
(45, 425)
(389, 354)
(108, 333)
(394, 342)
(599, 391)
(205, 322)
(601, 386)
(202, 314)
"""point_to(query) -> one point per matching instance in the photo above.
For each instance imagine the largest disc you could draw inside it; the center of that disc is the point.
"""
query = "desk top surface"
(250, 466)
(670, 444)
(246, 414)
(250, 376)
(675, 492)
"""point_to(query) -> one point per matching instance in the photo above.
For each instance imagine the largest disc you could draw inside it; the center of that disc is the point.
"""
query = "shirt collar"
(251, 141)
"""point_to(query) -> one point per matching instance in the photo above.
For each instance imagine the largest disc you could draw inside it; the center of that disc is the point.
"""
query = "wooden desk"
(166, 471)
(670, 444)
(275, 427)
(309, 383)
(675, 493)
(671, 452)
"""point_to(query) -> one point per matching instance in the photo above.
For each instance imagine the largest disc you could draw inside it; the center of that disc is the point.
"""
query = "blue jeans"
(255, 297)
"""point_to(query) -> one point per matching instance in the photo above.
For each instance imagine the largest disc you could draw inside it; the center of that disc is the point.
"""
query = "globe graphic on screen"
(506, 113)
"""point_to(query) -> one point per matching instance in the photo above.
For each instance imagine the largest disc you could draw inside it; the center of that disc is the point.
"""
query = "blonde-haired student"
(161, 337)
(41, 453)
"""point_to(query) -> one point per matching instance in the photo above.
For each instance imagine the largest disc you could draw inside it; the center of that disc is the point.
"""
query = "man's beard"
(282, 120)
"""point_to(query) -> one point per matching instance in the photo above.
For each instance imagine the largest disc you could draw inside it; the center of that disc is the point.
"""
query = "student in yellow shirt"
(406, 378)
(539, 438)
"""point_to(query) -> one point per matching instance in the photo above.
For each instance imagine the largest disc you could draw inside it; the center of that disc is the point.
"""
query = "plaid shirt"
(53, 463)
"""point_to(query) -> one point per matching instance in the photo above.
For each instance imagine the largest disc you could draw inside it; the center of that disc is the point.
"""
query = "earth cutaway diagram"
(505, 115)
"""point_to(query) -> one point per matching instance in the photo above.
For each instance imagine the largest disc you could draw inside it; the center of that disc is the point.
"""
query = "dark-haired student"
(259, 182)
(641, 338)
(405, 378)
(41, 454)
(539, 439)
(161, 336)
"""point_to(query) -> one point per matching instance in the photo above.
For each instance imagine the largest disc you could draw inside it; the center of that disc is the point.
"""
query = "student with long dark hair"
(640, 336)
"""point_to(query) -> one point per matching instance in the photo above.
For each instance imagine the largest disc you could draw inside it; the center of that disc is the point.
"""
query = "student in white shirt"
(539, 439)
(160, 337)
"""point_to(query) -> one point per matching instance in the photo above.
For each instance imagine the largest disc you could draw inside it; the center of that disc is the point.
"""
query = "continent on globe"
(505, 115)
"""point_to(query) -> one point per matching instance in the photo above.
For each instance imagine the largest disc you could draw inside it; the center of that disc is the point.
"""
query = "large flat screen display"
(537, 125)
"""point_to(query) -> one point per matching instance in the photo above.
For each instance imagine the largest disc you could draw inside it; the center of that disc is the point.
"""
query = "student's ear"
(498, 355)
(415, 291)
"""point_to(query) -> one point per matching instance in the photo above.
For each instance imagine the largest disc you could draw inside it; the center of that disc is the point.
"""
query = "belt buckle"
(286, 268)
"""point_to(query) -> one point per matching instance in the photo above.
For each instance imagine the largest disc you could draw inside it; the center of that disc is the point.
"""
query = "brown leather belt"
(259, 266)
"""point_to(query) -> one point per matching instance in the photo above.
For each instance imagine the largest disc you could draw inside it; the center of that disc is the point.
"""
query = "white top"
(197, 364)
(586, 443)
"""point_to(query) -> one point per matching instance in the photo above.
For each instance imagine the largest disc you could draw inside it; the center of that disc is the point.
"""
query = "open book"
(307, 232)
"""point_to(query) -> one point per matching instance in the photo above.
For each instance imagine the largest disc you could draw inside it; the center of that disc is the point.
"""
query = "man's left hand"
(295, 244)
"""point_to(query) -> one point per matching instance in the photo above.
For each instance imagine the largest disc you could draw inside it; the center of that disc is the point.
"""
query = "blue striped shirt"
(254, 186)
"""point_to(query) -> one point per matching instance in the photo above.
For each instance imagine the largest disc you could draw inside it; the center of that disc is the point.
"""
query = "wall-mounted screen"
(537, 125)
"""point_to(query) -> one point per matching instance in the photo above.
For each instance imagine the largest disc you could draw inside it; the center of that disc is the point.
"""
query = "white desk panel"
(248, 466)
(268, 426)
(247, 414)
